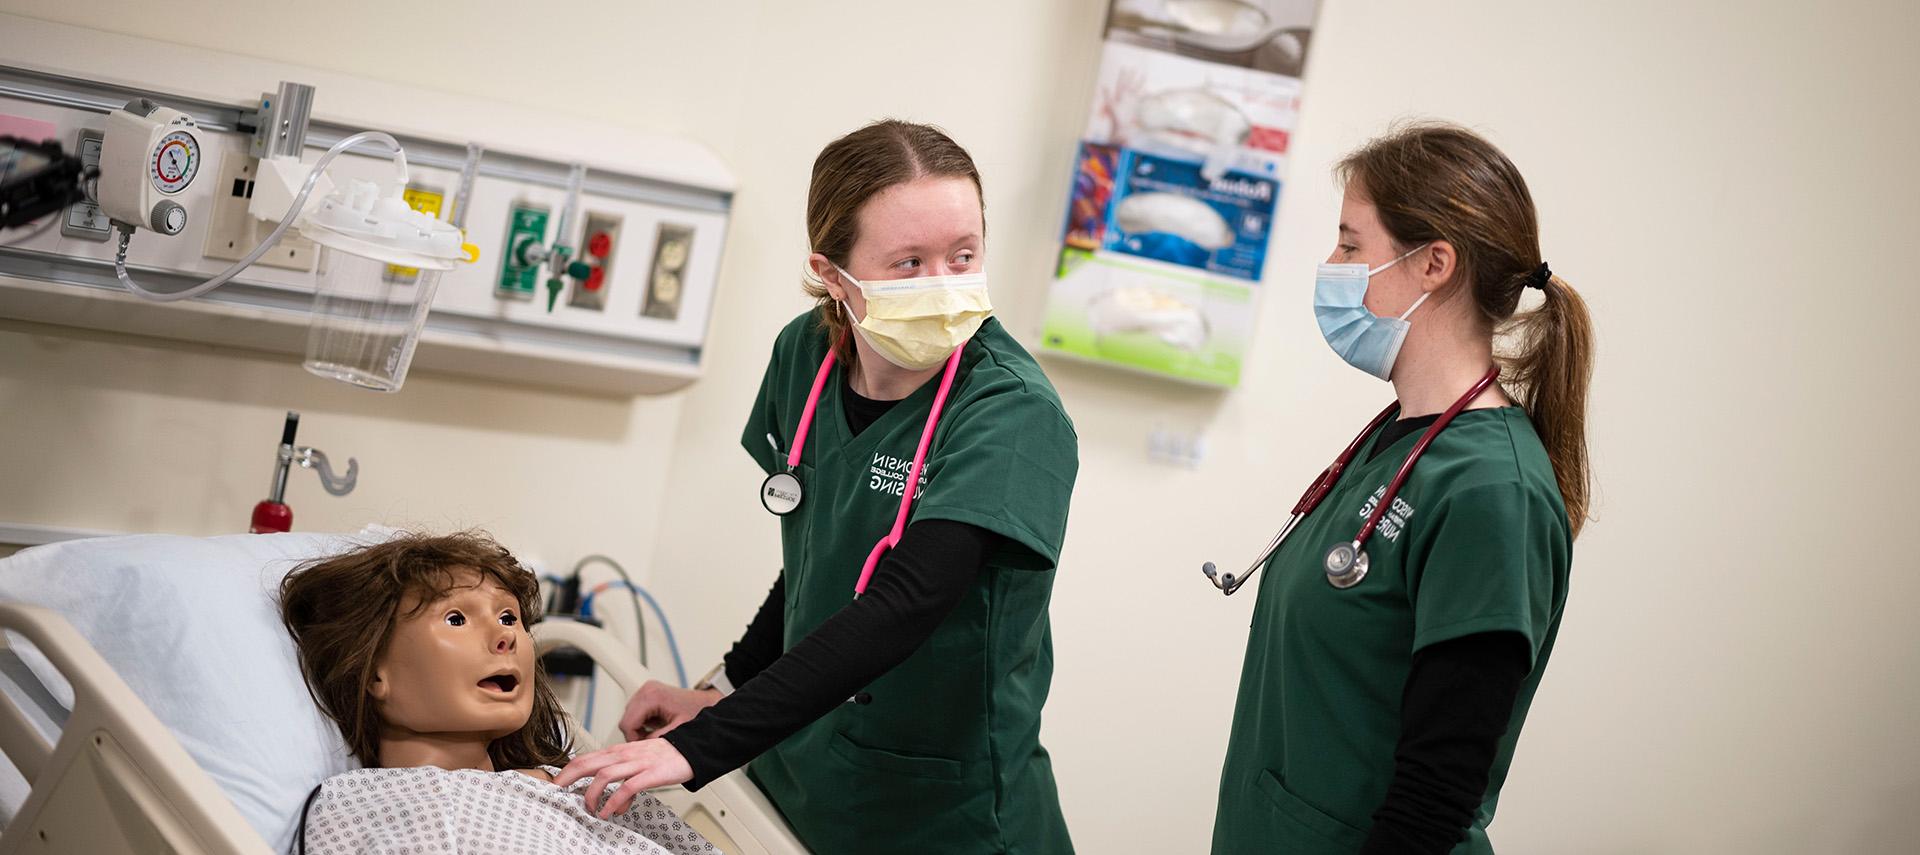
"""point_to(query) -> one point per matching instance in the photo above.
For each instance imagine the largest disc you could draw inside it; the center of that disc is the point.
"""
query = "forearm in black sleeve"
(761, 643)
(915, 587)
(1454, 710)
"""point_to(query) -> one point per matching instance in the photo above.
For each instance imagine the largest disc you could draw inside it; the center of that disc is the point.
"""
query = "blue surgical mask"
(1365, 340)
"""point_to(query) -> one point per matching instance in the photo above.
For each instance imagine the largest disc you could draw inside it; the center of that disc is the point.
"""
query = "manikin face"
(461, 664)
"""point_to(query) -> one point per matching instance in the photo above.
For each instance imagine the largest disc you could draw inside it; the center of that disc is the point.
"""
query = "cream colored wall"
(1697, 168)
(134, 435)
(1734, 674)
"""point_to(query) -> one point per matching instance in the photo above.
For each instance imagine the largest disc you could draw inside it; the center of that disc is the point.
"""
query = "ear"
(826, 272)
(1438, 268)
(381, 687)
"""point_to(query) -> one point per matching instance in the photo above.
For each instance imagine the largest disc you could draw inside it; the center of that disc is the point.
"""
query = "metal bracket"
(280, 125)
(313, 458)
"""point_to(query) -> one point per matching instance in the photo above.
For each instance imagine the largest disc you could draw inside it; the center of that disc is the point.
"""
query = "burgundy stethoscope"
(1346, 562)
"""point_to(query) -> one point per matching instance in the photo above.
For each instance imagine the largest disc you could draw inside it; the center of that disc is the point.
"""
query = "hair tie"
(1538, 278)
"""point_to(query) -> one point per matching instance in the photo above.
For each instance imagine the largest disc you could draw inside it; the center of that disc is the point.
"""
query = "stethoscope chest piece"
(1346, 565)
(781, 493)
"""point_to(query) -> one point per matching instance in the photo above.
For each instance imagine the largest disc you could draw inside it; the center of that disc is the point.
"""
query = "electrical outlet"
(232, 232)
(672, 248)
(84, 219)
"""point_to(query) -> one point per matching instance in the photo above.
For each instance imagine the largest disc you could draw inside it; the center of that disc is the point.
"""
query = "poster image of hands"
(1150, 316)
(1264, 35)
(1223, 117)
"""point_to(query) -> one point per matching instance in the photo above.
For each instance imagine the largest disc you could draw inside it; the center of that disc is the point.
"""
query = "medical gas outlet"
(526, 250)
(594, 271)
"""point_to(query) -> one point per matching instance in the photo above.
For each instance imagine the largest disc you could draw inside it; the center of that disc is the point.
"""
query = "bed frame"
(118, 783)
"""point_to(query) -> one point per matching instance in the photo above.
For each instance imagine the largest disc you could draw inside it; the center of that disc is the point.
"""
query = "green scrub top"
(1477, 541)
(947, 756)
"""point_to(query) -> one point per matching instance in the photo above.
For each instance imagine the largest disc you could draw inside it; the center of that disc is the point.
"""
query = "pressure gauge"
(148, 155)
(175, 161)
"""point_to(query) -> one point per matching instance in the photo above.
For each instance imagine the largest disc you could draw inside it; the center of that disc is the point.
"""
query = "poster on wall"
(1177, 183)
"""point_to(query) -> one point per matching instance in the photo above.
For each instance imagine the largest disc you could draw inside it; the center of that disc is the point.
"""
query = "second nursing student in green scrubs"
(907, 720)
(1380, 715)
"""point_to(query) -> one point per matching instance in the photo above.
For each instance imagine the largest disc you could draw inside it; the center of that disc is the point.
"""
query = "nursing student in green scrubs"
(906, 720)
(1382, 717)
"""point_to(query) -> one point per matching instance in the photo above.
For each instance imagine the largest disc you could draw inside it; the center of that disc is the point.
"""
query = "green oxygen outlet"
(519, 270)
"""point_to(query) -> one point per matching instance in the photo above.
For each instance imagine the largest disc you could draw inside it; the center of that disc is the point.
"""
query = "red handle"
(270, 517)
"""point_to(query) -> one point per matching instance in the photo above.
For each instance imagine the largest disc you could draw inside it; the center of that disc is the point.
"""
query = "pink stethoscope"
(781, 492)
(1346, 562)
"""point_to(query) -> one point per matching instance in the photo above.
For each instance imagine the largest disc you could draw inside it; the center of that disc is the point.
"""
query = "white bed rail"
(117, 781)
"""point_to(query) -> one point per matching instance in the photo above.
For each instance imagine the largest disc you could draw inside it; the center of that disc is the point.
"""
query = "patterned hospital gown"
(429, 811)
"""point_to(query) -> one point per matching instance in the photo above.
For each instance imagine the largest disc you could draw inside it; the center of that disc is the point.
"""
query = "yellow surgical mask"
(916, 323)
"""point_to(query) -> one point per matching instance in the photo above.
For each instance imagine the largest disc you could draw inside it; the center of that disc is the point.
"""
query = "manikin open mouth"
(503, 683)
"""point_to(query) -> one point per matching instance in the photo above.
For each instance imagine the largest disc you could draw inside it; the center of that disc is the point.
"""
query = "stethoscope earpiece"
(1227, 583)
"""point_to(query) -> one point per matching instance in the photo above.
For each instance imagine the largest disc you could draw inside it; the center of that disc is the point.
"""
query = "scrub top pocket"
(1339, 838)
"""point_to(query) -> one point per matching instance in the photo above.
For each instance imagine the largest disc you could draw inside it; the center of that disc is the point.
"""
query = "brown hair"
(854, 169)
(1436, 181)
(342, 612)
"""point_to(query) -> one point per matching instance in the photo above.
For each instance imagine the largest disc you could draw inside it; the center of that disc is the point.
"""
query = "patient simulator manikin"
(418, 648)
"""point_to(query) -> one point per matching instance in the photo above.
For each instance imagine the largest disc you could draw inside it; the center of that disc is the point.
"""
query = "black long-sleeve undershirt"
(915, 587)
(1454, 710)
(764, 638)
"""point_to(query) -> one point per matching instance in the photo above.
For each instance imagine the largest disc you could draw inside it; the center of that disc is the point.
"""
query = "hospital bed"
(150, 702)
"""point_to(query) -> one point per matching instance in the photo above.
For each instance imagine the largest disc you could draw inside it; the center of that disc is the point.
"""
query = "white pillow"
(192, 625)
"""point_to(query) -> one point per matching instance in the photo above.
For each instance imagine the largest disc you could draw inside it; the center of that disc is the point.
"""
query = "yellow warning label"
(425, 201)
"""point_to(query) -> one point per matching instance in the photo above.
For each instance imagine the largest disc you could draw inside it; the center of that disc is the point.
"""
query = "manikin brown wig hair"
(342, 612)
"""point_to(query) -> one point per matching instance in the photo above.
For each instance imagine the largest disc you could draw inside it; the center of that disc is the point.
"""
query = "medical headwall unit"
(598, 248)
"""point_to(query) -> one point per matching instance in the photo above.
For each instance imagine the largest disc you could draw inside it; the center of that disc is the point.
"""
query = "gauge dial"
(175, 161)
